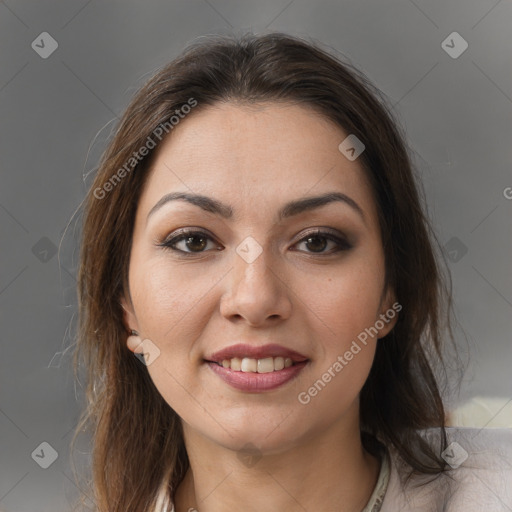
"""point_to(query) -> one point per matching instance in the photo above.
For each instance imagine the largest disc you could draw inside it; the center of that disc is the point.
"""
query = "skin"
(305, 297)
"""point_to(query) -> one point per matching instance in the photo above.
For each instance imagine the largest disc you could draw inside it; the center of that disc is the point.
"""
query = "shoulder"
(479, 477)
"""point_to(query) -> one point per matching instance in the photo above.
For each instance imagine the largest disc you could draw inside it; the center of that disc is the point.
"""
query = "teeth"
(249, 365)
(278, 363)
(265, 365)
(234, 364)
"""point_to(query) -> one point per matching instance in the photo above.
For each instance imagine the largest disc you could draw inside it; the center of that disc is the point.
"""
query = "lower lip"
(257, 382)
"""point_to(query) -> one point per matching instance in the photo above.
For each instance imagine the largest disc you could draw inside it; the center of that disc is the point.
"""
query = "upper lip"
(242, 350)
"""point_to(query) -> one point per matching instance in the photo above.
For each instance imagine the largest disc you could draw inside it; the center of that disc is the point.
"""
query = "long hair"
(138, 453)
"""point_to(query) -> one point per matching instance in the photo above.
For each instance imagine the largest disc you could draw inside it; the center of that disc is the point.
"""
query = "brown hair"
(138, 450)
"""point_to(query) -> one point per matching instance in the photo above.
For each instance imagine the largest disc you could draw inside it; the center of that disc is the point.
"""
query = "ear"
(129, 319)
(133, 342)
(388, 314)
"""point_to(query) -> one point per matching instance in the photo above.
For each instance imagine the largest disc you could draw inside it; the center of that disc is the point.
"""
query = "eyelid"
(322, 231)
(190, 231)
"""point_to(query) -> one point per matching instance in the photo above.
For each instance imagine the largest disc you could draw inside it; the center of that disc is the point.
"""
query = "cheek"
(345, 310)
(345, 302)
(168, 300)
(164, 296)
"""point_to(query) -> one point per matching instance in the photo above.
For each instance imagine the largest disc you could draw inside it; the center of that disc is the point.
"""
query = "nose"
(256, 291)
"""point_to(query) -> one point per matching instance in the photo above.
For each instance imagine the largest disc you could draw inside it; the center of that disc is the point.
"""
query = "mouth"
(252, 365)
(256, 369)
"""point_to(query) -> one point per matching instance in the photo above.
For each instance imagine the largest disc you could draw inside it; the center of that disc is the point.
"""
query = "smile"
(254, 379)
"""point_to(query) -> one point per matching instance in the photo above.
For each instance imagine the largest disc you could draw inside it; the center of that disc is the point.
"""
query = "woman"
(261, 305)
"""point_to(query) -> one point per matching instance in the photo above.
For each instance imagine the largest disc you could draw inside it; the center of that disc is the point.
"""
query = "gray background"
(56, 114)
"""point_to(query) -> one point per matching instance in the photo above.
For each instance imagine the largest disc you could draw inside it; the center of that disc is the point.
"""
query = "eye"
(318, 239)
(196, 242)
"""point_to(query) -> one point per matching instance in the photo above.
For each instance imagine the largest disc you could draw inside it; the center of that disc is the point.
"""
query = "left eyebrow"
(290, 209)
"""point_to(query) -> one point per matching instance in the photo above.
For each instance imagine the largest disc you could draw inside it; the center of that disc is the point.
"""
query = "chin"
(261, 443)
(266, 435)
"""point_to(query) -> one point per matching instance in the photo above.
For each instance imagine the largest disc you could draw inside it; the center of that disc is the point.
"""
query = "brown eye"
(312, 243)
(317, 241)
(192, 242)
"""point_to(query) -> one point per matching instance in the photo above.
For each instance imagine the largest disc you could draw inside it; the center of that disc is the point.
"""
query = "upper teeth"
(266, 365)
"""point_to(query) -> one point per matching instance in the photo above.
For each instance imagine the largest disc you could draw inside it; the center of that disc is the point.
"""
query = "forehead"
(255, 157)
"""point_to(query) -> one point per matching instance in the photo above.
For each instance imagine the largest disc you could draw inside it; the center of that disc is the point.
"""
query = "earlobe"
(134, 342)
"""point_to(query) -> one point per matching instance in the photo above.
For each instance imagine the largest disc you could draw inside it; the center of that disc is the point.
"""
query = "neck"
(330, 471)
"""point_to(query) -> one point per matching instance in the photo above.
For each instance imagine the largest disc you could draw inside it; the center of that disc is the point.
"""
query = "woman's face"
(258, 275)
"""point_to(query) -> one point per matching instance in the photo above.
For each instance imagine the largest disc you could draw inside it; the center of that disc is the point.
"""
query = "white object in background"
(482, 411)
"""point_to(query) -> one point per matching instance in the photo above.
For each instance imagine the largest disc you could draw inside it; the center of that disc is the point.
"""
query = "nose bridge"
(255, 288)
(252, 265)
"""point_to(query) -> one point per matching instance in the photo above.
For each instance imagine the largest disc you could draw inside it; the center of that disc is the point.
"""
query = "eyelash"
(169, 244)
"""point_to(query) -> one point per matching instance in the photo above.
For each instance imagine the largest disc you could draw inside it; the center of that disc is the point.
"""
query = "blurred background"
(68, 70)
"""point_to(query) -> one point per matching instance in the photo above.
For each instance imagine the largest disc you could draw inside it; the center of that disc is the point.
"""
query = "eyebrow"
(290, 209)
